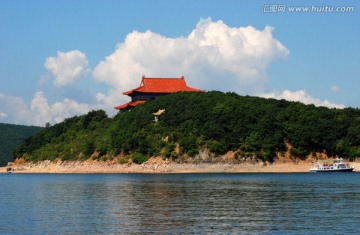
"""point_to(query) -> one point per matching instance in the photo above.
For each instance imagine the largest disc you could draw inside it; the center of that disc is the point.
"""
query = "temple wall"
(145, 96)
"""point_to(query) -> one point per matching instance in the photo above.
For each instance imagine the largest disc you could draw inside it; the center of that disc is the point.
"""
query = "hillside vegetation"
(252, 127)
(10, 137)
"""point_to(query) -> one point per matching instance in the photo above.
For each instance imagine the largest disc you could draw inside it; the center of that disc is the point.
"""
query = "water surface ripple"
(180, 204)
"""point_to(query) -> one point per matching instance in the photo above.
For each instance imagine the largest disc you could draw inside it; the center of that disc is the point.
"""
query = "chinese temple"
(150, 88)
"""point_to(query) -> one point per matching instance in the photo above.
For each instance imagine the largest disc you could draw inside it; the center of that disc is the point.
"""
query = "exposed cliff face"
(287, 157)
(203, 162)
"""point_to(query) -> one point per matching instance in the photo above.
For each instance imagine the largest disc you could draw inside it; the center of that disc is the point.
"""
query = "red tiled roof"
(162, 85)
(130, 104)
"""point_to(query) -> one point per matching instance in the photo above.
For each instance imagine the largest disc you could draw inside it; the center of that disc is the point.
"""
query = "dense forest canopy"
(252, 127)
(10, 137)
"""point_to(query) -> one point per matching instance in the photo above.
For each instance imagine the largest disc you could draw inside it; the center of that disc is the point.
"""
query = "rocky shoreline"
(110, 168)
(157, 165)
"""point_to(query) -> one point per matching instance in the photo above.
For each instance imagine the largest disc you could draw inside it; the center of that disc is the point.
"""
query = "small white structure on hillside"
(158, 113)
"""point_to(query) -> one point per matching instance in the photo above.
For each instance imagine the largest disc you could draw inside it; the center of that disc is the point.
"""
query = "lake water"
(180, 204)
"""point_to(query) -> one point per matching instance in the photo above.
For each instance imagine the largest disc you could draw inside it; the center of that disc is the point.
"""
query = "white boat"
(337, 165)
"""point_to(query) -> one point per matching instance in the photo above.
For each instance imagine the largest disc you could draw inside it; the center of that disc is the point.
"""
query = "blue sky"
(64, 58)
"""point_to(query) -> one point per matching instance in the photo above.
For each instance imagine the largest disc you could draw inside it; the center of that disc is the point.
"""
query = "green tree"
(139, 158)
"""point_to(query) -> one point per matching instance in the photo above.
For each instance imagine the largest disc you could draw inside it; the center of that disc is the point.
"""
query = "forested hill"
(10, 137)
(252, 127)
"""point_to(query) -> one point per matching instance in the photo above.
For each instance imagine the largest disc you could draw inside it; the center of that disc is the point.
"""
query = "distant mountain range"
(10, 137)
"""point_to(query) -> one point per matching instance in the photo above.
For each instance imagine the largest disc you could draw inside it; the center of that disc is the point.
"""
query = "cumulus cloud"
(67, 67)
(15, 108)
(301, 96)
(57, 112)
(213, 56)
(39, 112)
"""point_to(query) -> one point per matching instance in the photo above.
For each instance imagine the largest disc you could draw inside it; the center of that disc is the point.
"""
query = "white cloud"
(301, 96)
(67, 67)
(334, 88)
(57, 112)
(3, 115)
(15, 108)
(40, 111)
(213, 56)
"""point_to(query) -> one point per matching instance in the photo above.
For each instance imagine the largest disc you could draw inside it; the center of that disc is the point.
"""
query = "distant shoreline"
(98, 167)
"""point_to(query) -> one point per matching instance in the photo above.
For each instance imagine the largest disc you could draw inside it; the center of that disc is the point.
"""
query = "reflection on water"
(178, 204)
